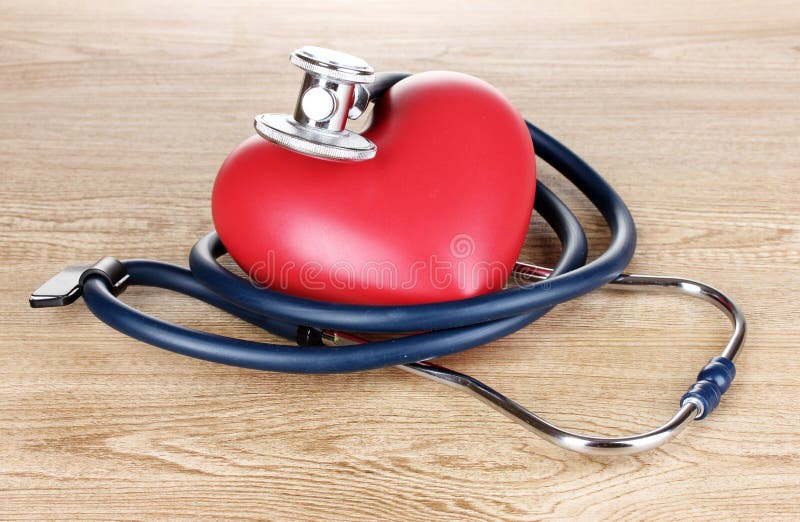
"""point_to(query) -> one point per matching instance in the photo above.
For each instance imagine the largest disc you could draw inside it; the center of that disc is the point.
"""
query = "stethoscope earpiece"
(332, 92)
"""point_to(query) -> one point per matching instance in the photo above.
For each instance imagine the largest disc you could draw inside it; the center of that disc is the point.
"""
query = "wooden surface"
(114, 118)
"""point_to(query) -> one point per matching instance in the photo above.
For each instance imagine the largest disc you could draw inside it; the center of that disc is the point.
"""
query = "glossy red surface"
(439, 214)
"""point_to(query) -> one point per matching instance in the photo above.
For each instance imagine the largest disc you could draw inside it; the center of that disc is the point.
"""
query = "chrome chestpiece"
(331, 93)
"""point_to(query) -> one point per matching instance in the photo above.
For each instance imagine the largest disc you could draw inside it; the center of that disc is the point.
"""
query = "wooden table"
(115, 118)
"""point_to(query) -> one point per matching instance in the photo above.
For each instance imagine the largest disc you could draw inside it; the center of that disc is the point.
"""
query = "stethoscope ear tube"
(697, 403)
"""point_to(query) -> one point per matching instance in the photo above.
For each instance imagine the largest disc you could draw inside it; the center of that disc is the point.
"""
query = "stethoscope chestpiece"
(332, 92)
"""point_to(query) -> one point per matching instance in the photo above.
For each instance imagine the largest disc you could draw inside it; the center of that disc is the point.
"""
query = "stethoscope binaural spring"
(336, 87)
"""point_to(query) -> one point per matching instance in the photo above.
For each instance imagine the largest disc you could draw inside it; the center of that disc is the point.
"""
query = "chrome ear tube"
(712, 381)
(332, 92)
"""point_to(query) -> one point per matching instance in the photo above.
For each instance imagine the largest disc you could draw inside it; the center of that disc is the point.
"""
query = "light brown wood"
(113, 120)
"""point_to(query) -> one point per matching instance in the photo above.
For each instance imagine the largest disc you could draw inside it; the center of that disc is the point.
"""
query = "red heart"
(439, 214)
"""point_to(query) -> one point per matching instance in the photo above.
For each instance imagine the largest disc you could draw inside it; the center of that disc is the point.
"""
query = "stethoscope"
(337, 87)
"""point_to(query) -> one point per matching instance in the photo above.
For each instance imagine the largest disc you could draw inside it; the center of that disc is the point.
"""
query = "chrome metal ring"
(342, 146)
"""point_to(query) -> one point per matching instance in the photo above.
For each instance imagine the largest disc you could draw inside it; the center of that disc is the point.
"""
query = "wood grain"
(114, 119)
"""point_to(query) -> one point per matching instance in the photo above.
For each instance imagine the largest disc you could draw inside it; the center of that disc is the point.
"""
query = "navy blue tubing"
(455, 325)
(274, 357)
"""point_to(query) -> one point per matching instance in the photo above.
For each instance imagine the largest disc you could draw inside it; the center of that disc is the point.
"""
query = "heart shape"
(439, 214)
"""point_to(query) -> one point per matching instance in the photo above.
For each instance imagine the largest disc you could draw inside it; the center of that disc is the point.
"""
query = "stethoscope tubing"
(449, 327)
